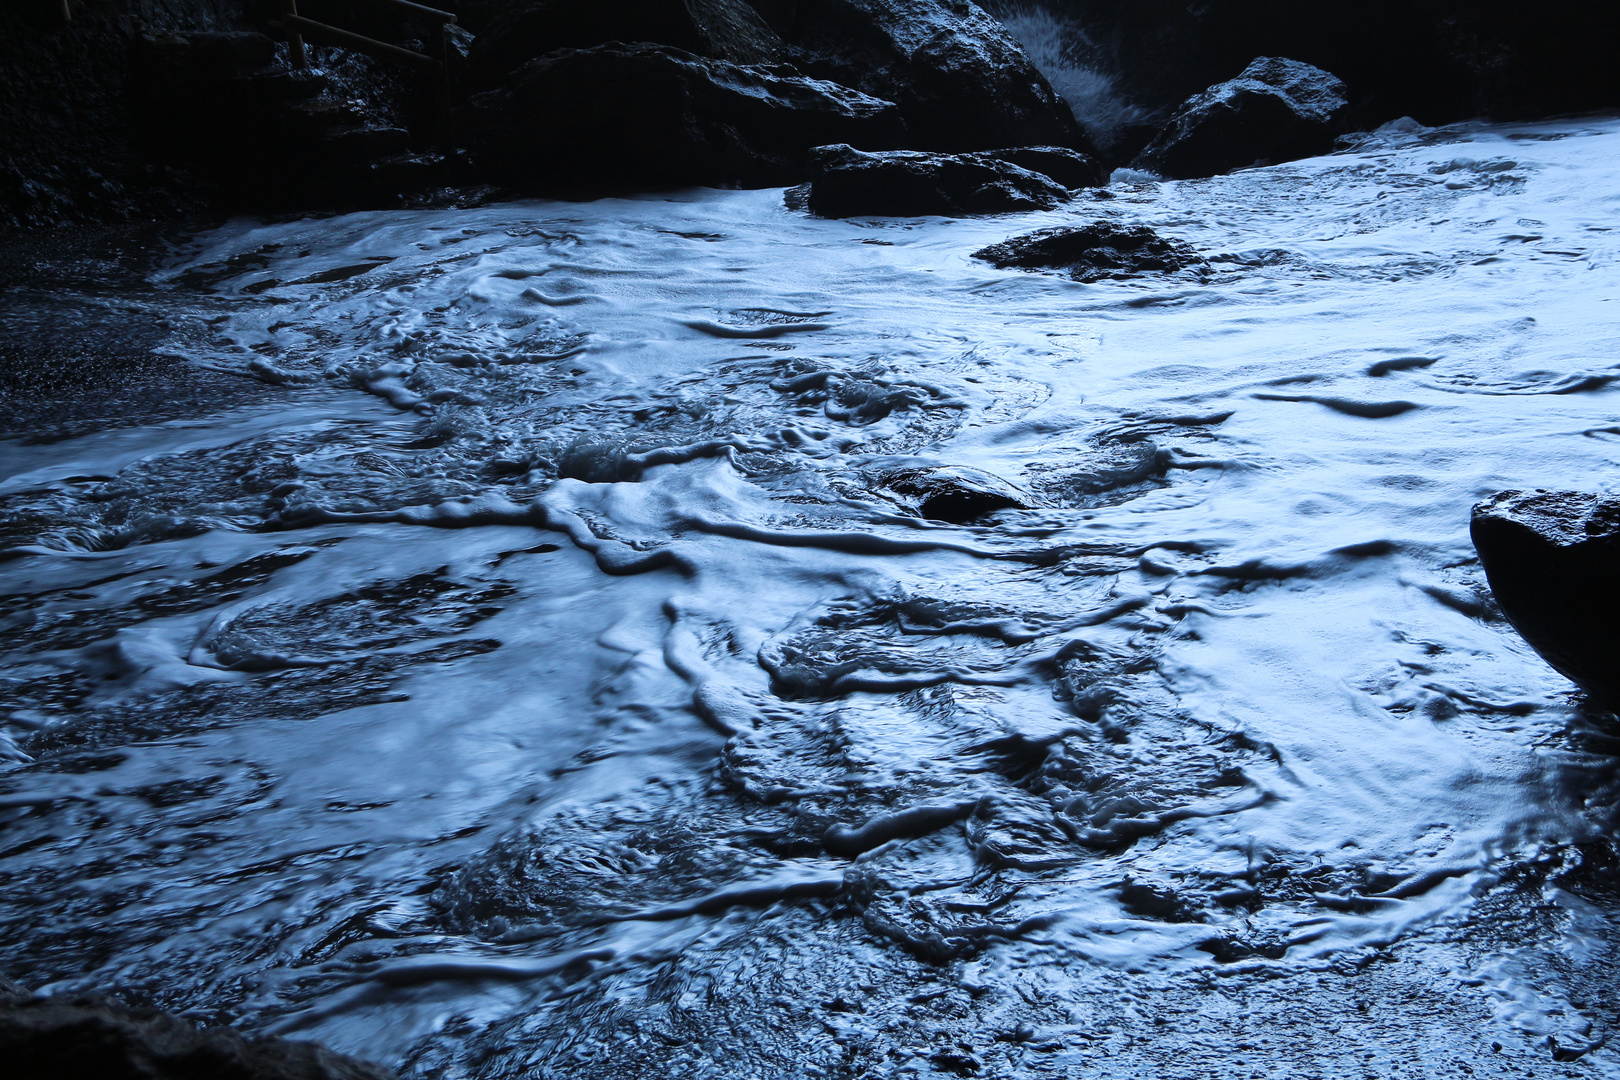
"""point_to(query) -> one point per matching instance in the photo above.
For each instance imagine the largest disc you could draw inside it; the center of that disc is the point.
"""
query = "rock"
(52, 1039)
(718, 29)
(960, 80)
(1068, 167)
(1553, 562)
(954, 493)
(648, 114)
(1277, 110)
(1438, 60)
(1094, 252)
(209, 56)
(846, 182)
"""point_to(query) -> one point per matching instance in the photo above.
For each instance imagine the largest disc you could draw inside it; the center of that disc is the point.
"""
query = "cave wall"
(67, 107)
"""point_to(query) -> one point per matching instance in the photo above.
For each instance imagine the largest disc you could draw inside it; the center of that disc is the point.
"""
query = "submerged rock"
(650, 114)
(1093, 252)
(719, 29)
(1277, 110)
(961, 81)
(846, 182)
(51, 1039)
(1553, 561)
(955, 493)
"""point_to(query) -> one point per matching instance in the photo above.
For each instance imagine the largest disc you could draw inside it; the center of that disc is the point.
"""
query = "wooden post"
(295, 40)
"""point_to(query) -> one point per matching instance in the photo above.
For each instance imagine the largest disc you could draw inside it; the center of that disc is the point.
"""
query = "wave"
(1057, 47)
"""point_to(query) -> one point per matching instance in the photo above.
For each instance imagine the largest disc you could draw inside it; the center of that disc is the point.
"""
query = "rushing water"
(1057, 47)
(545, 671)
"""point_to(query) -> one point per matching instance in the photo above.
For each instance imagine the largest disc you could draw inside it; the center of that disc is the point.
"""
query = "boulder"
(654, 115)
(1553, 562)
(846, 182)
(1277, 110)
(718, 29)
(954, 493)
(50, 1039)
(1068, 167)
(1094, 252)
(1437, 60)
(960, 80)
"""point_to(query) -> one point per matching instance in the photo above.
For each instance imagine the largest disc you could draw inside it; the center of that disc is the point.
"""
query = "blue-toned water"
(546, 668)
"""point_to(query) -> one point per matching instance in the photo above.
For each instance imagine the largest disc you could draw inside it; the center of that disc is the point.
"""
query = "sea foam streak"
(563, 684)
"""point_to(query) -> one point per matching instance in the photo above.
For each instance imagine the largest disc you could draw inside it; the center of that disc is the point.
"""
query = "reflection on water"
(676, 636)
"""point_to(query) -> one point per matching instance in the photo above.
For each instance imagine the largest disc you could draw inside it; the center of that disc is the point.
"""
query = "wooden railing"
(297, 28)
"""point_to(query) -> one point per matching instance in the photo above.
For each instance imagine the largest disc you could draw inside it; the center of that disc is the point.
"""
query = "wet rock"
(955, 493)
(1148, 902)
(719, 29)
(1068, 167)
(649, 114)
(1277, 110)
(1553, 562)
(1437, 60)
(961, 82)
(50, 1039)
(846, 182)
(1094, 252)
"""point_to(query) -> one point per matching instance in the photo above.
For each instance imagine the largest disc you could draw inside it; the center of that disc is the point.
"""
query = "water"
(544, 671)
(1056, 47)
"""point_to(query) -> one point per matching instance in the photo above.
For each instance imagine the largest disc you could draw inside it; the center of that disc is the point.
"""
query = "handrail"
(297, 27)
(334, 35)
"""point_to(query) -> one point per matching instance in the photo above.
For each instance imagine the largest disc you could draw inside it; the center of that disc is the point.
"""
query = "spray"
(1056, 46)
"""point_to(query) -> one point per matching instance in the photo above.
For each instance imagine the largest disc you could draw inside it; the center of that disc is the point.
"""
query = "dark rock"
(1437, 60)
(136, 110)
(1129, 140)
(1068, 167)
(1148, 902)
(960, 80)
(718, 29)
(1094, 252)
(954, 493)
(1277, 110)
(52, 1039)
(206, 56)
(647, 114)
(846, 182)
(1553, 562)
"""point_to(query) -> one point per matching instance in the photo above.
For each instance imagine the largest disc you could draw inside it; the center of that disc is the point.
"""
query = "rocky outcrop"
(140, 110)
(264, 136)
(1094, 252)
(846, 182)
(1553, 562)
(1437, 60)
(1068, 167)
(718, 29)
(961, 82)
(1277, 110)
(54, 1039)
(652, 115)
